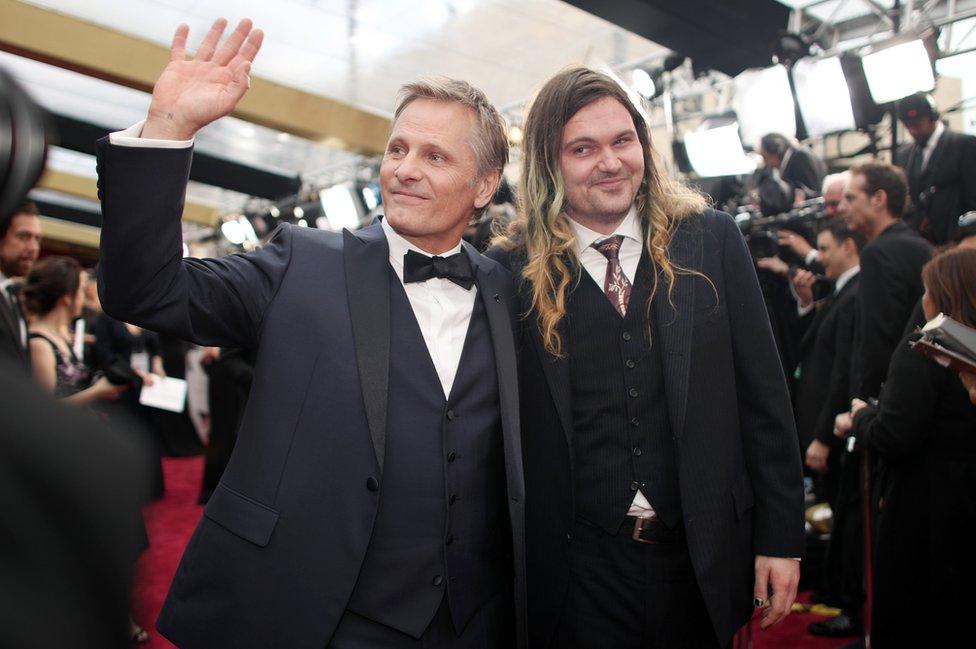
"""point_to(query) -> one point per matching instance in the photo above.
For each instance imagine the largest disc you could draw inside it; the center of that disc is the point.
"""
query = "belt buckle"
(639, 523)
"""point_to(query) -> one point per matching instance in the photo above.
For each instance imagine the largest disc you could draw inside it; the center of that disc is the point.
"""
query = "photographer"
(941, 169)
(798, 167)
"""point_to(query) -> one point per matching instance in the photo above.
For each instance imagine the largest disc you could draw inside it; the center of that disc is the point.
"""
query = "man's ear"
(879, 199)
(487, 185)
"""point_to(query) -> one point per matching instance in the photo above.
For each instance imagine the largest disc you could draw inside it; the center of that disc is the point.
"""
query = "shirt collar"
(934, 138)
(399, 247)
(844, 278)
(586, 237)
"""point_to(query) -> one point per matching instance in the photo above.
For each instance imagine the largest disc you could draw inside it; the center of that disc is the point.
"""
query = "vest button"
(632, 392)
(450, 539)
(637, 451)
(630, 364)
(634, 486)
(635, 422)
(625, 335)
(451, 415)
(437, 580)
(451, 456)
(452, 499)
(372, 484)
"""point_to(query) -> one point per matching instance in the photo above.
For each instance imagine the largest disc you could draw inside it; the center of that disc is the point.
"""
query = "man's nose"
(408, 169)
(609, 161)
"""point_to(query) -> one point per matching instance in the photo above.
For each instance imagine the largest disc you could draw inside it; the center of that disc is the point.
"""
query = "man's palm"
(190, 94)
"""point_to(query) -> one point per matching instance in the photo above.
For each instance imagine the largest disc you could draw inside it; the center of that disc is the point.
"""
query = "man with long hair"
(663, 478)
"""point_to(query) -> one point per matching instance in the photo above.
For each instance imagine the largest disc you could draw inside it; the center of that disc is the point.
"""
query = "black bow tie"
(420, 268)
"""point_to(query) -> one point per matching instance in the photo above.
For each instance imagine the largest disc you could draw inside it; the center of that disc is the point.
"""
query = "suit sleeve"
(967, 166)
(879, 324)
(143, 277)
(839, 386)
(769, 436)
(899, 427)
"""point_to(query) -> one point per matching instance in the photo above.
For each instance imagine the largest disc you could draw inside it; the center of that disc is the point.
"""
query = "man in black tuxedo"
(941, 169)
(662, 470)
(798, 167)
(20, 243)
(891, 269)
(825, 389)
(374, 497)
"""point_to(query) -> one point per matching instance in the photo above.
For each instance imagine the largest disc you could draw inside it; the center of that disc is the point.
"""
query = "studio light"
(718, 152)
(341, 208)
(898, 71)
(643, 83)
(823, 95)
(764, 104)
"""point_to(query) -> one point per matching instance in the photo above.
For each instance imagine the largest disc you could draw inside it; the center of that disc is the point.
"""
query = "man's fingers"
(251, 46)
(776, 611)
(206, 50)
(233, 43)
(178, 50)
(760, 590)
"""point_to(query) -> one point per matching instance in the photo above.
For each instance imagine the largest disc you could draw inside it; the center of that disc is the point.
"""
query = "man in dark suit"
(20, 243)
(824, 389)
(374, 497)
(662, 470)
(941, 169)
(891, 268)
(798, 167)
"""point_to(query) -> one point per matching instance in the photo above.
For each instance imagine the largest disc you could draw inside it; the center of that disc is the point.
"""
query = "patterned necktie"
(615, 285)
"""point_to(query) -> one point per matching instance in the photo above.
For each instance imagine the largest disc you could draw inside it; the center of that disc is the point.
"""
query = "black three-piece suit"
(357, 493)
(684, 400)
(944, 188)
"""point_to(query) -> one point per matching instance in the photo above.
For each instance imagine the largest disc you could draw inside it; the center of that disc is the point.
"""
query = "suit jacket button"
(372, 484)
(451, 415)
(437, 580)
(634, 486)
(625, 335)
(451, 456)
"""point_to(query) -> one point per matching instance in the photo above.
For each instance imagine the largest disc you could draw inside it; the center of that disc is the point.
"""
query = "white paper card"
(165, 393)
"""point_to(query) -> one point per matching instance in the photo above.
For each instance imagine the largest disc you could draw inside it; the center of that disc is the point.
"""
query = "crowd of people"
(590, 436)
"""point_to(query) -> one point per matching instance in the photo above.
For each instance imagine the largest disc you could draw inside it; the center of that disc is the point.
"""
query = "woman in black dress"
(53, 295)
(923, 433)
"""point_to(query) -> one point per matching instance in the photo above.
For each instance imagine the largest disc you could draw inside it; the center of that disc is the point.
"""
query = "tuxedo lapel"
(366, 258)
(492, 292)
(675, 323)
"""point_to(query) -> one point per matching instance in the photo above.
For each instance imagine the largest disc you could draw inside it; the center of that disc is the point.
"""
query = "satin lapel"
(492, 294)
(366, 257)
(674, 324)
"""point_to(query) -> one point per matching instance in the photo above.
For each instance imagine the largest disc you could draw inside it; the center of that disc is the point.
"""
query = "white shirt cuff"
(812, 256)
(132, 136)
(803, 310)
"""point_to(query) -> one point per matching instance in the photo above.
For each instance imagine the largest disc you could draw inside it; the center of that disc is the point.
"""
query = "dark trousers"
(845, 550)
(492, 627)
(624, 594)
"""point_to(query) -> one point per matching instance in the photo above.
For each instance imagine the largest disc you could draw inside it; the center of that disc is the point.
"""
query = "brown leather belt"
(652, 530)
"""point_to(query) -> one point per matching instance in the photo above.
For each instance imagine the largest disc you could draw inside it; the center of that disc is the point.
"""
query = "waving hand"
(191, 93)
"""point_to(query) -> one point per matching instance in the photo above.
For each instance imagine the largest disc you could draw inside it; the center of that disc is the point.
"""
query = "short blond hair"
(488, 140)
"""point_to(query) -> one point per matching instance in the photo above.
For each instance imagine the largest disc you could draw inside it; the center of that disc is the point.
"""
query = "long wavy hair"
(542, 227)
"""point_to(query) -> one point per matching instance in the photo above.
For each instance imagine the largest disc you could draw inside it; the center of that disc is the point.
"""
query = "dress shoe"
(836, 627)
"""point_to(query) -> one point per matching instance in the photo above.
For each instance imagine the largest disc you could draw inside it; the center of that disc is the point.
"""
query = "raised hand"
(190, 94)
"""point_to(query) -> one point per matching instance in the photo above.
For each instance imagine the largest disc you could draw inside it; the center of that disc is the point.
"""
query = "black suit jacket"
(11, 349)
(738, 460)
(824, 388)
(890, 286)
(276, 556)
(804, 171)
(946, 187)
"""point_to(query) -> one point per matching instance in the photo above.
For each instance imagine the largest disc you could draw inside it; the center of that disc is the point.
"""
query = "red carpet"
(170, 522)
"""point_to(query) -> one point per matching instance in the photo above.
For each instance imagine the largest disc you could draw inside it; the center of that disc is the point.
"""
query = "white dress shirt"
(931, 143)
(442, 308)
(595, 265)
